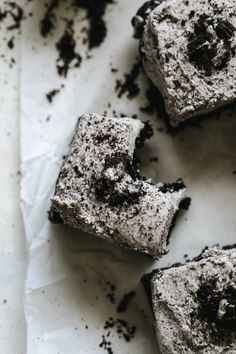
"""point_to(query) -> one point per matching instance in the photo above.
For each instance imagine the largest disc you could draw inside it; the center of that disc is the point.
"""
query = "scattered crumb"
(10, 43)
(67, 55)
(51, 94)
(123, 329)
(95, 14)
(11, 16)
(121, 326)
(106, 345)
(47, 24)
(153, 159)
(185, 203)
(111, 292)
(129, 84)
(95, 31)
(125, 301)
(13, 11)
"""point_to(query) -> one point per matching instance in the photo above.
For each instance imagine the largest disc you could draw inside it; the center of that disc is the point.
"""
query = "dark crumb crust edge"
(147, 278)
(183, 205)
(156, 103)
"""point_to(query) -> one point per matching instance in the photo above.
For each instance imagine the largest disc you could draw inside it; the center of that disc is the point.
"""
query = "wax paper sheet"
(75, 281)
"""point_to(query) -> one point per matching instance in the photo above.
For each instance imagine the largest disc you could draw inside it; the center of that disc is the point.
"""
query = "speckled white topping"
(187, 89)
(192, 305)
(97, 190)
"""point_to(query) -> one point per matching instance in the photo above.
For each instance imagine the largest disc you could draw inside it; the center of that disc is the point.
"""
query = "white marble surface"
(12, 242)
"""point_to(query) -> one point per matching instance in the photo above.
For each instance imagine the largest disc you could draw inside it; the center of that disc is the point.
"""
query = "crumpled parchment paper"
(68, 290)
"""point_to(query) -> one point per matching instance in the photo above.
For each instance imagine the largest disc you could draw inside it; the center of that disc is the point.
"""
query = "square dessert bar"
(194, 305)
(99, 189)
(188, 51)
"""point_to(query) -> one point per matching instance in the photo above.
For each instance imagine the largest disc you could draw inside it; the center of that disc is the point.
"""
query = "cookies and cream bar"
(99, 189)
(187, 49)
(194, 304)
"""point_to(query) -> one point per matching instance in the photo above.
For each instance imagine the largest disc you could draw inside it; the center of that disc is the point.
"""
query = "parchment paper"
(66, 303)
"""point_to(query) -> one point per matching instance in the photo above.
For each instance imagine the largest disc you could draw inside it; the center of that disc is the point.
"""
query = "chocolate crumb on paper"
(122, 327)
(95, 14)
(94, 31)
(106, 345)
(125, 301)
(13, 11)
(117, 326)
(51, 94)
(129, 85)
(111, 292)
(67, 55)
(185, 203)
(10, 43)
(48, 22)
(11, 17)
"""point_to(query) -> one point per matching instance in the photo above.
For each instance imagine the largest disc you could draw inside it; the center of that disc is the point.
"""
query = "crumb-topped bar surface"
(188, 51)
(99, 189)
(195, 305)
